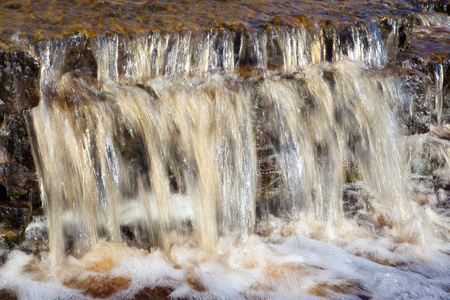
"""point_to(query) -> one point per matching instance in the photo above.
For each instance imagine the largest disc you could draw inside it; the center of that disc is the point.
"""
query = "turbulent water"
(170, 172)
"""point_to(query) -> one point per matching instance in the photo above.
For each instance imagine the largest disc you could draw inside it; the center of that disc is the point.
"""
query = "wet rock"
(390, 35)
(429, 53)
(36, 237)
(413, 109)
(8, 295)
(9, 238)
(356, 201)
(155, 293)
(32, 240)
(434, 5)
(19, 80)
(38, 21)
(15, 214)
(19, 91)
(79, 58)
(325, 289)
(17, 170)
(99, 286)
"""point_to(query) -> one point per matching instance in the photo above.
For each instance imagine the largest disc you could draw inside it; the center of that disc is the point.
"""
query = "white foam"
(272, 268)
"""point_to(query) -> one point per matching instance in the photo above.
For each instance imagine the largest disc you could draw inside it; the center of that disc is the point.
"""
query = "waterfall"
(169, 142)
(177, 157)
(240, 162)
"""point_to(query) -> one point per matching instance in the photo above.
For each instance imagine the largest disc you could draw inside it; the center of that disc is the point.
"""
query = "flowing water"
(176, 170)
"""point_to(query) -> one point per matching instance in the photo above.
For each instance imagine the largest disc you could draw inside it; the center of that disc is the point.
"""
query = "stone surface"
(17, 170)
(15, 214)
(414, 108)
(429, 52)
(8, 295)
(19, 80)
(434, 5)
(19, 91)
(155, 293)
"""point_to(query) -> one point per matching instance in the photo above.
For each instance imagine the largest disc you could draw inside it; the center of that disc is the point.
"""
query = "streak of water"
(138, 58)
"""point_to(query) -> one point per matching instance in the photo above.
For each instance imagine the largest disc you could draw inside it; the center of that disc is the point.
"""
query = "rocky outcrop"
(19, 78)
(17, 171)
(429, 52)
(434, 5)
(19, 91)
(413, 108)
(15, 214)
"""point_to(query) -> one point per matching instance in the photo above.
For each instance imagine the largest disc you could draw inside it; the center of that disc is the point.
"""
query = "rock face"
(19, 77)
(428, 50)
(17, 172)
(19, 91)
(414, 107)
(15, 213)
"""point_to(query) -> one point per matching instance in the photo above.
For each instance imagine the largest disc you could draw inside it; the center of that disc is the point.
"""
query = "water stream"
(265, 164)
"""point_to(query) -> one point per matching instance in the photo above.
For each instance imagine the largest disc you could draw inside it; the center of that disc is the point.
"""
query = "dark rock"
(155, 293)
(442, 6)
(79, 58)
(17, 170)
(413, 109)
(19, 91)
(10, 238)
(19, 80)
(429, 53)
(15, 214)
(8, 295)
(390, 36)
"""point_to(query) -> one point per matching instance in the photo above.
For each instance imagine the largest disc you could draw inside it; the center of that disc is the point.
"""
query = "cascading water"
(231, 164)
(139, 146)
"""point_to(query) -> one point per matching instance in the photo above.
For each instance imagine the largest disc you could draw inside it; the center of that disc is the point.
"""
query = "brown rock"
(17, 169)
(414, 108)
(99, 286)
(429, 53)
(15, 214)
(155, 293)
(9, 238)
(19, 80)
(8, 295)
